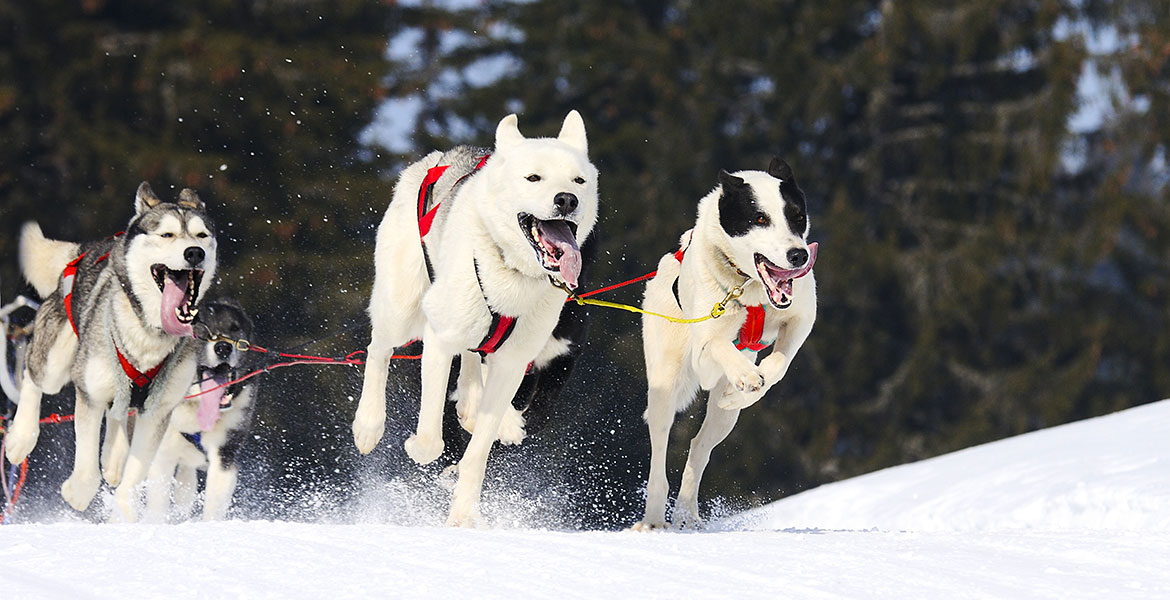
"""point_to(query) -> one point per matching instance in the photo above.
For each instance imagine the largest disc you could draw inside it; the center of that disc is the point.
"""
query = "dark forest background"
(993, 261)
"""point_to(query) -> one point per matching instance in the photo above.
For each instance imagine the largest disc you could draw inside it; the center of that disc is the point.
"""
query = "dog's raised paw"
(79, 491)
(748, 379)
(423, 450)
(367, 432)
(512, 428)
(19, 443)
(736, 400)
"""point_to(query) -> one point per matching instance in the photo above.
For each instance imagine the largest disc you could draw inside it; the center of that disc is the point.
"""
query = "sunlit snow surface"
(1079, 511)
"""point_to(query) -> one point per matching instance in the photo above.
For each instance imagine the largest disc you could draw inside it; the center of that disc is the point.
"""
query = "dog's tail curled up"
(42, 260)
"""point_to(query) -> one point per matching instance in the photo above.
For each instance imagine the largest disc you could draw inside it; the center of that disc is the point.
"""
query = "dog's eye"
(201, 235)
(166, 236)
(762, 219)
(533, 178)
(579, 180)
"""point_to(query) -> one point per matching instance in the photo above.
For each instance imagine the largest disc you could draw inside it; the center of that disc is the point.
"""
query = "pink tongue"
(173, 297)
(557, 233)
(570, 263)
(208, 412)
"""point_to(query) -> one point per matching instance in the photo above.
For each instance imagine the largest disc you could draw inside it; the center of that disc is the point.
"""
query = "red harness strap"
(753, 327)
(426, 191)
(68, 275)
(498, 331)
(139, 381)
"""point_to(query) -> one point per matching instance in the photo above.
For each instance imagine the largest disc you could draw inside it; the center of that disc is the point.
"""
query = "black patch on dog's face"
(795, 208)
(738, 210)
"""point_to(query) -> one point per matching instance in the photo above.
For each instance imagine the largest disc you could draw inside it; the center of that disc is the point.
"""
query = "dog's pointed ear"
(780, 169)
(573, 132)
(145, 199)
(508, 132)
(730, 182)
(189, 199)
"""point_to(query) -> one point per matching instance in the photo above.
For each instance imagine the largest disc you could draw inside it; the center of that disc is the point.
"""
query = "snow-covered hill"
(1079, 511)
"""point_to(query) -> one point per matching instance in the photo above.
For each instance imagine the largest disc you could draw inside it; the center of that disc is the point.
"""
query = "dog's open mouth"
(555, 242)
(180, 294)
(778, 282)
(215, 394)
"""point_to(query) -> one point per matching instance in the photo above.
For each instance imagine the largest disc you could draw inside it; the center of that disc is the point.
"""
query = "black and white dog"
(748, 249)
(207, 431)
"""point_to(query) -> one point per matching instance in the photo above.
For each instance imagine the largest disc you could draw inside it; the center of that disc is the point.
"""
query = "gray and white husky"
(466, 260)
(206, 432)
(751, 235)
(113, 321)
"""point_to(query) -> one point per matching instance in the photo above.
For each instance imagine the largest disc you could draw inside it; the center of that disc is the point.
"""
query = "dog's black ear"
(780, 169)
(145, 199)
(189, 199)
(727, 180)
(737, 205)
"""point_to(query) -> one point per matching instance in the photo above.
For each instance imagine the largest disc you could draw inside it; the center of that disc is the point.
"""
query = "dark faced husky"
(466, 260)
(751, 236)
(112, 322)
(207, 431)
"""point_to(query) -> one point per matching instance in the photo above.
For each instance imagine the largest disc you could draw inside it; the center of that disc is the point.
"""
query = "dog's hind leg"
(427, 443)
(659, 417)
(716, 425)
(497, 399)
(114, 449)
(47, 371)
(79, 489)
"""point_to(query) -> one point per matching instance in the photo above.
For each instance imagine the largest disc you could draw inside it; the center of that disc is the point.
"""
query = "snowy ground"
(1079, 511)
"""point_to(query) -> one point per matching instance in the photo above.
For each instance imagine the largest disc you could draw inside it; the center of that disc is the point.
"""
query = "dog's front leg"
(469, 390)
(737, 369)
(115, 448)
(83, 483)
(427, 442)
(773, 369)
(162, 477)
(148, 429)
(221, 485)
(499, 389)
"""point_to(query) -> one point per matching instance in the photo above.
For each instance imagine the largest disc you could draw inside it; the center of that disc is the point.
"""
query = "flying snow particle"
(223, 167)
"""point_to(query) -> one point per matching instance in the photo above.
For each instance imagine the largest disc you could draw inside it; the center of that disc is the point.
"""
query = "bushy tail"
(42, 259)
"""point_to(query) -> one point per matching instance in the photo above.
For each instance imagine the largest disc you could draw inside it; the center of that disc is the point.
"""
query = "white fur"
(42, 259)
(450, 315)
(682, 358)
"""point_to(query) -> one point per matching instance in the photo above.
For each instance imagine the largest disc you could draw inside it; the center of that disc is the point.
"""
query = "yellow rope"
(716, 311)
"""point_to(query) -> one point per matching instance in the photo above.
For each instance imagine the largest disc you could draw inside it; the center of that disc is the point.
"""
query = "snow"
(1077, 511)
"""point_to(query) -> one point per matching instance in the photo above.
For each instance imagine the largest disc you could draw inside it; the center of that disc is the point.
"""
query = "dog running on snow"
(208, 431)
(114, 319)
(751, 233)
(465, 260)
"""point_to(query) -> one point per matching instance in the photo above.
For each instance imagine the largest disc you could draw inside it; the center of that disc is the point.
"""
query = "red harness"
(502, 325)
(753, 327)
(140, 381)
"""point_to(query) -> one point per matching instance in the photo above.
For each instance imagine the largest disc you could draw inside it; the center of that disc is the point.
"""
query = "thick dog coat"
(113, 321)
(208, 431)
(465, 259)
(750, 234)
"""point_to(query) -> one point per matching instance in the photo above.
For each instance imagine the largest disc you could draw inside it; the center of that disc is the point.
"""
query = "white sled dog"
(113, 321)
(750, 236)
(466, 260)
(207, 431)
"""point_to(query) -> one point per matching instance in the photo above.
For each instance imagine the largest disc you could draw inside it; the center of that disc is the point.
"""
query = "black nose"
(797, 257)
(565, 202)
(194, 255)
(223, 350)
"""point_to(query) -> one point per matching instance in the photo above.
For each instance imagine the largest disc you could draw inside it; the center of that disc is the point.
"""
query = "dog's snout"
(797, 257)
(565, 202)
(194, 255)
(223, 350)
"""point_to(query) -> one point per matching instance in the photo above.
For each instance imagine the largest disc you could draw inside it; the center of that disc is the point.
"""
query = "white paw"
(468, 519)
(512, 428)
(465, 410)
(746, 378)
(645, 526)
(113, 472)
(20, 441)
(126, 497)
(424, 449)
(79, 491)
(686, 516)
(736, 400)
(367, 431)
